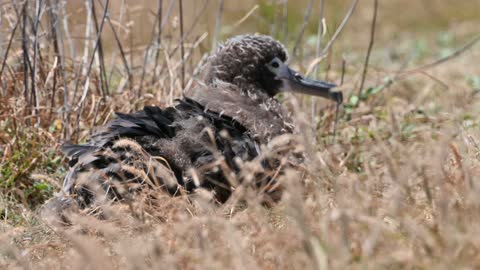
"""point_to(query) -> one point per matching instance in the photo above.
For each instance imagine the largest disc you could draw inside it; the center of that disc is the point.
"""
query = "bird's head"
(256, 64)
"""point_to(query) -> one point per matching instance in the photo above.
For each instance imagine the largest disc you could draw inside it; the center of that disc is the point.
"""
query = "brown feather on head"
(241, 61)
(255, 65)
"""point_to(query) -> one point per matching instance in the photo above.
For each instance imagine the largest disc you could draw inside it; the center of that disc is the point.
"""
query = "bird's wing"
(124, 148)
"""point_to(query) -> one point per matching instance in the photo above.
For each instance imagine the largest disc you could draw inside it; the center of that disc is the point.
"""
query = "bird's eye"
(274, 65)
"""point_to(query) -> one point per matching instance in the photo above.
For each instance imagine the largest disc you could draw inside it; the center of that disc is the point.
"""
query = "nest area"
(395, 190)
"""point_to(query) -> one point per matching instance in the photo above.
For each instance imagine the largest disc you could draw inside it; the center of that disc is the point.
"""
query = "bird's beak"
(295, 82)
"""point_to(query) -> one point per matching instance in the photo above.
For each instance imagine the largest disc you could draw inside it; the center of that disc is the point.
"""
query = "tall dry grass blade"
(53, 20)
(189, 55)
(7, 50)
(60, 37)
(285, 22)
(122, 53)
(340, 28)
(26, 60)
(276, 16)
(185, 35)
(320, 33)
(159, 41)
(344, 67)
(86, 85)
(442, 60)
(245, 17)
(147, 50)
(82, 68)
(67, 31)
(36, 97)
(218, 23)
(335, 121)
(96, 47)
(103, 73)
(370, 46)
(182, 46)
(195, 22)
(306, 18)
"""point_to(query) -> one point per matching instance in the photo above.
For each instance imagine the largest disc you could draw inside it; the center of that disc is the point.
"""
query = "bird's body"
(203, 139)
(177, 139)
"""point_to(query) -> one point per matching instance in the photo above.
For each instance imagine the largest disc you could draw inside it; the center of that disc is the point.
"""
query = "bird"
(201, 140)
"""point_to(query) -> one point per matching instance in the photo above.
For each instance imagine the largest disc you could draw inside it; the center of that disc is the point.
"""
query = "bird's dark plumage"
(225, 119)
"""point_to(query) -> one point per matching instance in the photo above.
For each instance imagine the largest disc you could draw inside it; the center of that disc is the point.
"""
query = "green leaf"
(354, 100)
(41, 186)
(474, 81)
(445, 39)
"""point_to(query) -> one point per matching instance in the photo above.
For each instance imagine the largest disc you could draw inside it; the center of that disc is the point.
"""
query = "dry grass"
(398, 189)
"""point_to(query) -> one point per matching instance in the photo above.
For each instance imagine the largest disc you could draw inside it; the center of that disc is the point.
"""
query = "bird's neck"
(263, 117)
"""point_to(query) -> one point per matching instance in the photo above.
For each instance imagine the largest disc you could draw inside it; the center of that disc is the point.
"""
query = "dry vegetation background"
(397, 189)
